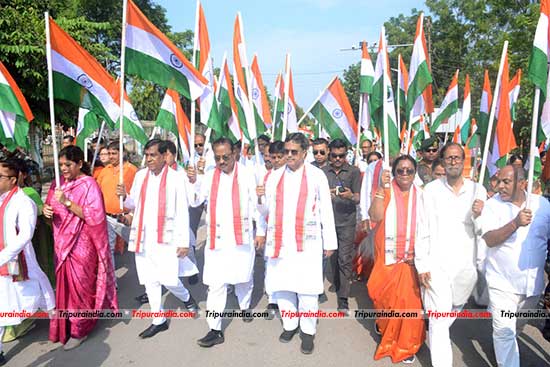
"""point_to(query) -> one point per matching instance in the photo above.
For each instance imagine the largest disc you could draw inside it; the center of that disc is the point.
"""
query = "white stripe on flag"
(7, 120)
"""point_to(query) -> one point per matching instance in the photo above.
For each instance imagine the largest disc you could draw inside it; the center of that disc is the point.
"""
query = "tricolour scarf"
(300, 213)
(161, 217)
(18, 267)
(236, 204)
(400, 225)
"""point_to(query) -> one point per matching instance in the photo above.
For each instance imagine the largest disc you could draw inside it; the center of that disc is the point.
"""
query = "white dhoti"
(505, 328)
(291, 303)
(217, 298)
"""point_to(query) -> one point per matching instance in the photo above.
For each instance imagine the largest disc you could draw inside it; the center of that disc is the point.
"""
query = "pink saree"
(83, 265)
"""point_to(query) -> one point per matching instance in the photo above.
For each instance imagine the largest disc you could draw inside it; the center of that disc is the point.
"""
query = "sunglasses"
(219, 158)
(293, 152)
(432, 150)
(321, 152)
(334, 155)
(199, 145)
(405, 171)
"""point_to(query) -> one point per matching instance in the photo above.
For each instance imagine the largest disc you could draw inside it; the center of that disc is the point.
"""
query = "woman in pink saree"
(83, 266)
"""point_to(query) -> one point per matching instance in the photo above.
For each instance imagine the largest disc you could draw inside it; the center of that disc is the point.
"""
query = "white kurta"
(228, 262)
(299, 272)
(517, 265)
(449, 252)
(36, 292)
(158, 262)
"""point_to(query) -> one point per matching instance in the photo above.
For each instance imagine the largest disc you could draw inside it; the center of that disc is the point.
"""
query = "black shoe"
(287, 335)
(153, 330)
(142, 299)
(332, 288)
(3, 360)
(193, 279)
(247, 316)
(191, 305)
(307, 343)
(343, 305)
(271, 310)
(323, 298)
(212, 338)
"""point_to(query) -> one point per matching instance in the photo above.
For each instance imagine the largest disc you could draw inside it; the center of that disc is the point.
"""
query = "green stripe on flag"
(538, 69)
(327, 122)
(91, 125)
(8, 100)
(167, 121)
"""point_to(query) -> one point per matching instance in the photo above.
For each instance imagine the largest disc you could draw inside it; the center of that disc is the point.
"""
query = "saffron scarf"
(400, 225)
(161, 217)
(17, 268)
(236, 204)
(300, 213)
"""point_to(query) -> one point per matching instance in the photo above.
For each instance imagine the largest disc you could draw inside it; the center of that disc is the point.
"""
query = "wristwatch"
(67, 203)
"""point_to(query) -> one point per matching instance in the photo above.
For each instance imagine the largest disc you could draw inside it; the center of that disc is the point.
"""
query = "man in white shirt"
(516, 232)
(300, 230)
(445, 260)
(159, 233)
(230, 190)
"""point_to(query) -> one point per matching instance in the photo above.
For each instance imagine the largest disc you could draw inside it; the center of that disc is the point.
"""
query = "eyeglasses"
(405, 171)
(224, 158)
(199, 145)
(291, 152)
(334, 155)
(5, 176)
(452, 158)
(321, 152)
(432, 150)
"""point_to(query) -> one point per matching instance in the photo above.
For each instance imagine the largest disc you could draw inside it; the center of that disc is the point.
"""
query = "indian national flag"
(333, 111)
(503, 141)
(132, 125)
(484, 109)
(279, 105)
(262, 114)
(292, 118)
(420, 77)
(87, 124)
(403, 77)
(203, 60)
(15, 114)
(449, 106)
(80, 79)
(381, 96)
(515, 85)
(540, 55)
(152, 56)
(366, 79)
(466, 121)
(172, 118)
(229, 113)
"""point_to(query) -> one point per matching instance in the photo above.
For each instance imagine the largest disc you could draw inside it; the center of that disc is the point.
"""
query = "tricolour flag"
(203, 61)
(152, 56)
(279, 107)
(131, 124)
(449, 106)
(366, 78)
(262, 114)
(484, 109)
(465, 122)
(171, 117)
(87, 124)
(420, 77)
(540, 55)
(292, 118)
(229, 114)
(515, 86)
(15, 114)
(333, 111)
(80, 79)
(403, 77)
(503, 141)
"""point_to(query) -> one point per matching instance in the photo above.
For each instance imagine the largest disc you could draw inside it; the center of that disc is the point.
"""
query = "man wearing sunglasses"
(344, 181)
(320, 153)
(430, 152)
(299, 231)
(445, 257)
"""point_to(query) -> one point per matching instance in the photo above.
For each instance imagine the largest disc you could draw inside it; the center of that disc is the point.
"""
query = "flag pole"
(277, 88)
(316, 100)
(533, 146)
(96, 151)
(285, 97)
(398, 92)
(122, 89)
(492, 115)
(360, 118)
(51, 101)
(384, 102)
(193, 102)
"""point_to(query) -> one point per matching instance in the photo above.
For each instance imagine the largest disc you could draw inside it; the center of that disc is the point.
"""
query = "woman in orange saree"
(393, 283)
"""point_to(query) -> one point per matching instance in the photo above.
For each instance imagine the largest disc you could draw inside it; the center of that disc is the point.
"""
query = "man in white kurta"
(516, 233)
(228, 260)
(160, 264)
(34, 292)
(445, 260)
(294, 273)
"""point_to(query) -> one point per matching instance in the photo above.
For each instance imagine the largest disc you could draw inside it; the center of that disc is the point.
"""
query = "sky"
(312, 31)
